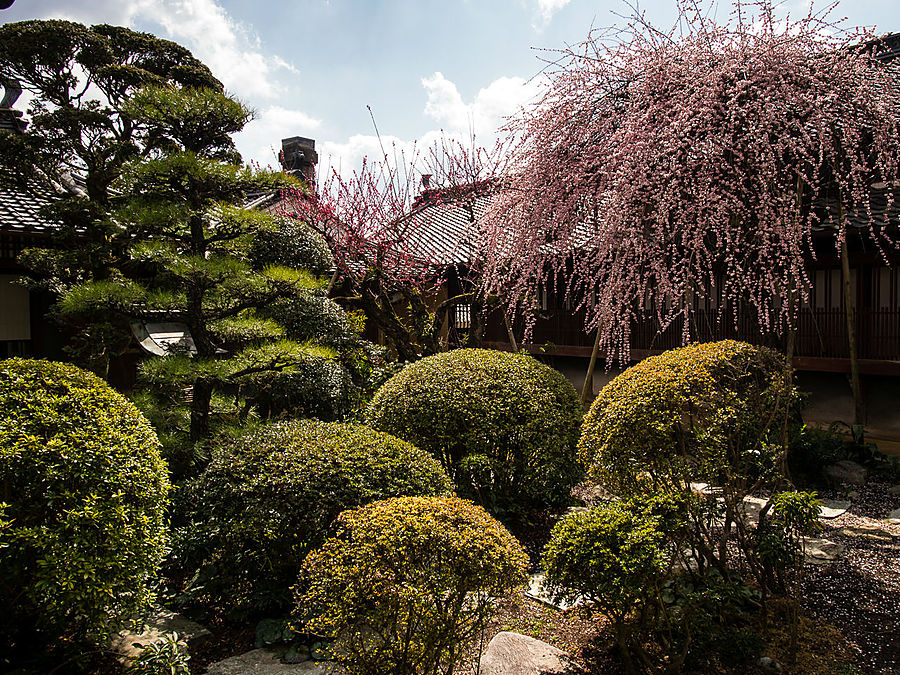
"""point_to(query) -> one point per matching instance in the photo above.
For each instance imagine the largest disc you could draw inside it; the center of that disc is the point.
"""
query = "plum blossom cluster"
(367, 220)
(663, 167)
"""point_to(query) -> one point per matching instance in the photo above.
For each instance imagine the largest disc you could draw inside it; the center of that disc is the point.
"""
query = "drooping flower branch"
(660, 167)
(368, 219)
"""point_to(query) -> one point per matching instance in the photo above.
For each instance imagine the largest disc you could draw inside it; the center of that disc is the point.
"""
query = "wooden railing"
(820, 333)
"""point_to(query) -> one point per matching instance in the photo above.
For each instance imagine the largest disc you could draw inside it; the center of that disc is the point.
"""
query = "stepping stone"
(536, 591)
(266, 662)
(752, 506)
(833, 508)
(847, 471)
(821, 551)
(515, 654)
(157, 624)
(872, 532)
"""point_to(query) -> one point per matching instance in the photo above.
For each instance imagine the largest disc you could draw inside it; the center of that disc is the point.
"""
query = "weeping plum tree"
(368, 219)
(660, 165)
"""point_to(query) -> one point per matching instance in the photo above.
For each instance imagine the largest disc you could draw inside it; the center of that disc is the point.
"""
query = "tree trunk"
(858, 413)
(202, 396)
(509, 332)
(587, 391)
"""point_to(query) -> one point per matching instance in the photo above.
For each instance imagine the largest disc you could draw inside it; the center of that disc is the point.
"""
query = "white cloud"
(547, 8)
(487, 111)
(230, 49)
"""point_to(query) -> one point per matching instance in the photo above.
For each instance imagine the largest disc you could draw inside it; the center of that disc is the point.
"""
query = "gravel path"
(860, 593)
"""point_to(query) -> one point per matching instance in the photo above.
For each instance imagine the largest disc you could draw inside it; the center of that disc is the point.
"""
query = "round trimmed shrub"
(291, 244)
(504, 425)
(611, 556)
(262, 505)
(84, 493)
(711, 411)
(406, 582)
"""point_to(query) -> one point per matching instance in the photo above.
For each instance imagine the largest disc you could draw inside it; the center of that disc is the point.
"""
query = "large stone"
(833, 508)
(266, 662)
(894, 490)
(537, 591)
(847, 471)
(157, 624)
(894, 516)
(871, 532)
(821, 551)
(514, 654)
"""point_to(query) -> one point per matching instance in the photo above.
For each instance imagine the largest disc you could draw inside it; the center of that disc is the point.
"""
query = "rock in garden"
(871, 532)
(536, 591)
(514, 654)
(894, 516)
(266, 662)
(159, 622)
(821, 551)
(833, 508)
(847, 471)
(769, 665)
(895, 490)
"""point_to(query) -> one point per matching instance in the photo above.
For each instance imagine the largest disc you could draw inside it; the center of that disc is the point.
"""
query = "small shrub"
(406, 582)
(292, 244)
(314, 387)
(166, 656)
(710, 412)
(82, 515)
(503, 425)
(612, 556)
(262, 504)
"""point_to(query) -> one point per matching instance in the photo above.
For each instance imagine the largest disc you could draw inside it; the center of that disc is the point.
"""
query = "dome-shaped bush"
(407, 582)
(504, 425)
(291, 244)
(81, 512)
(702, 412)
(260, 506)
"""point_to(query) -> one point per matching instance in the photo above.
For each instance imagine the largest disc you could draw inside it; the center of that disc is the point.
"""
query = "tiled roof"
(445, 233)
(20, 210)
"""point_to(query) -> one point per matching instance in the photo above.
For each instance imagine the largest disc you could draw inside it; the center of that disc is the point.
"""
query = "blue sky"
(310, 67)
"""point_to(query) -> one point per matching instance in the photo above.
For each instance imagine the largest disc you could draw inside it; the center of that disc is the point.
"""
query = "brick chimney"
(299, 157)
(11, 120)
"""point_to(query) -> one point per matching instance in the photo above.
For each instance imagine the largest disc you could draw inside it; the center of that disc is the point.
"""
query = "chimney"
(11, 120)
(426, 181)
(299, 157)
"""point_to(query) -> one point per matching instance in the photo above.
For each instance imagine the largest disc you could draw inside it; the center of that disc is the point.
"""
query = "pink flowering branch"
(660, 167)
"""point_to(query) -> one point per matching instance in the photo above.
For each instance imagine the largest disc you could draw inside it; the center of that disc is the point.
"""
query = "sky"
(315, 68)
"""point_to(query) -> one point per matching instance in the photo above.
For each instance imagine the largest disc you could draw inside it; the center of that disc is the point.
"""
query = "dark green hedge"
(84, 494)
(261, 506)
(504, 425)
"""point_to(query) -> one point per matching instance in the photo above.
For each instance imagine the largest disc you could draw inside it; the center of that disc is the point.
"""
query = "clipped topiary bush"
(711, 411)
(611, 556)
(314, 387)
(84, 494)
(504, 425)
(262, 505)
(291, 244)
(406, 582)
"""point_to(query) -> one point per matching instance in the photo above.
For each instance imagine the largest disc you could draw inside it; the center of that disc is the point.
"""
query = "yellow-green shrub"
(261, 505)
(406, 582)
(611, 556)
(84, 495)
(503, 425)
(711, 411)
